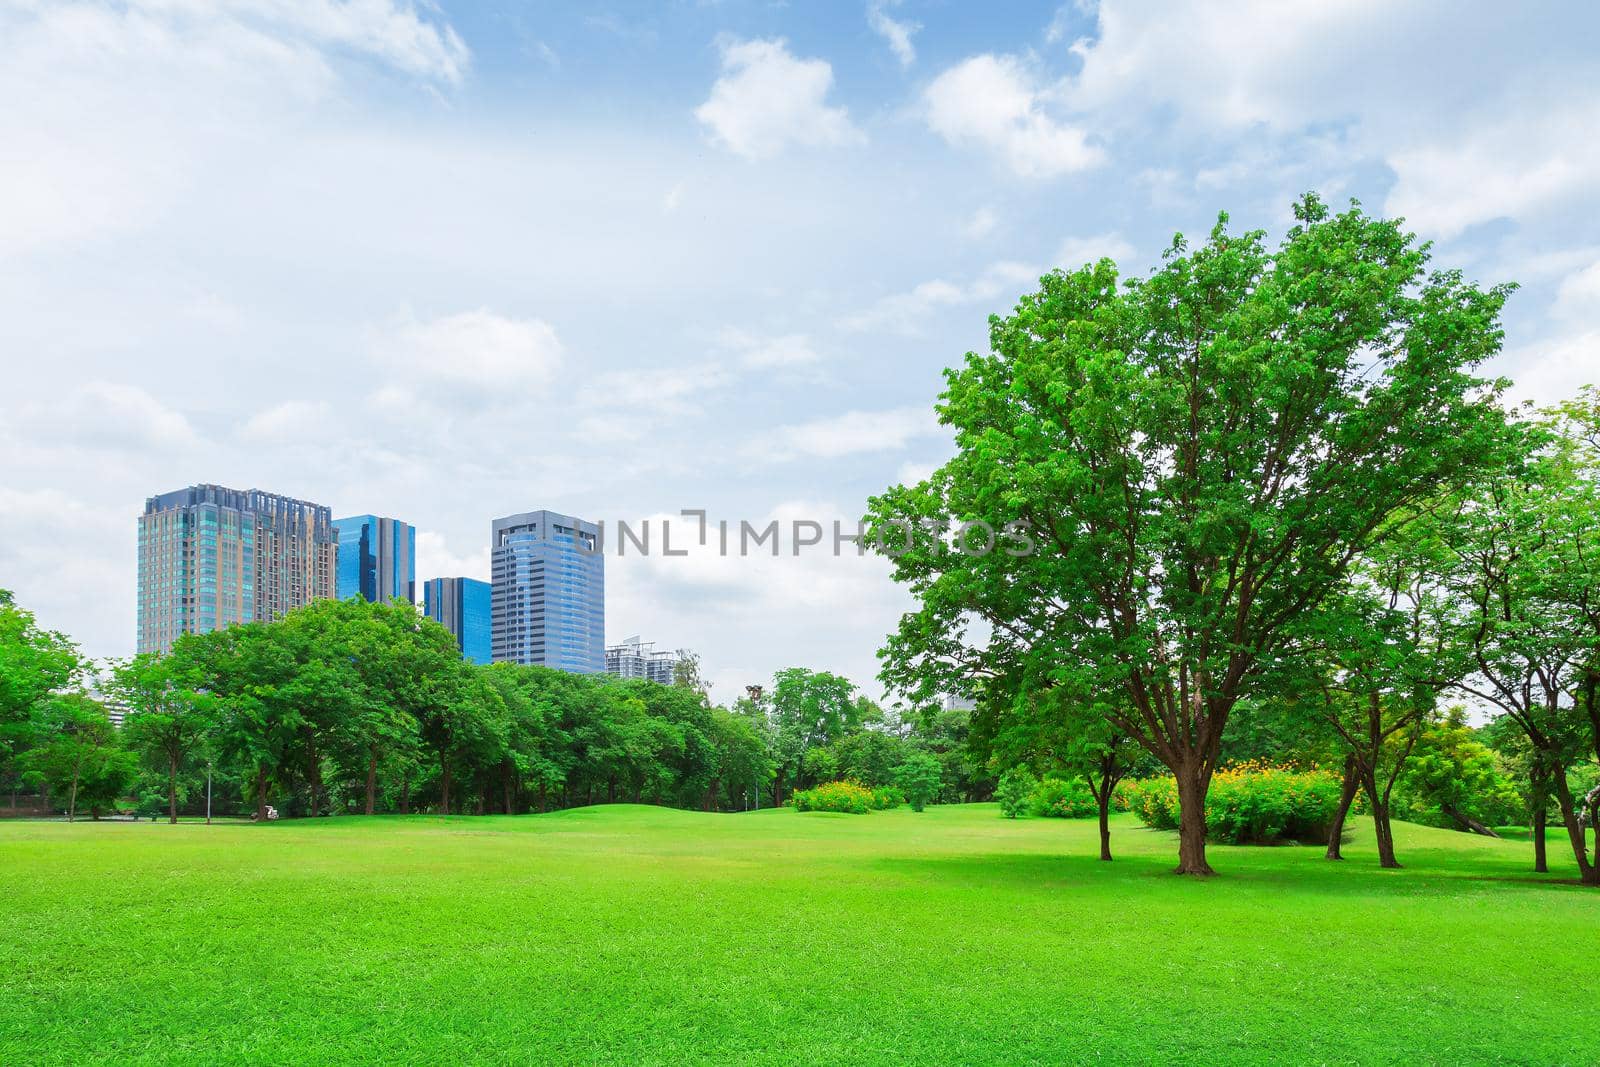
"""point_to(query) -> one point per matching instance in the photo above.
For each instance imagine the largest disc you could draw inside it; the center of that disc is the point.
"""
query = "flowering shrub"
(1248, 804)
(849, 797)
(1064, 798)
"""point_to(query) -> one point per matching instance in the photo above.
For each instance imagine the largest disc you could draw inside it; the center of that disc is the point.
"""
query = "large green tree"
(806, 710)
(1527, 541)
(78, 754)
(1379, 652)
(34, 663)
(170, 712)
(1194, 458)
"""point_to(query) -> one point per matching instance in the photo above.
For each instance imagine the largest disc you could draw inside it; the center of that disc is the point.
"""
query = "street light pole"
(208, 794)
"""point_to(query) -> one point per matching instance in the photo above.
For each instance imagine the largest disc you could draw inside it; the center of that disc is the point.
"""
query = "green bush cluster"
(1015, 791)
(1019, 792)
(1063, 798)
(1251, 804)
(887, 796)
(852, 798)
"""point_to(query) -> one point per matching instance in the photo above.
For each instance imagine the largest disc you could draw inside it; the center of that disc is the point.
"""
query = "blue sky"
(452, 261)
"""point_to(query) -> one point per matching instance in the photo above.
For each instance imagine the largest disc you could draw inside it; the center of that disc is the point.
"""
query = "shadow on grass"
(1285, 869)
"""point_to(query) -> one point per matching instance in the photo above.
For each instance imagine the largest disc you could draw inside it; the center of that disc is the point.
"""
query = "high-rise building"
(377, 559)
(639, 659)
(461, 605)
(548, 603)
(210, 557)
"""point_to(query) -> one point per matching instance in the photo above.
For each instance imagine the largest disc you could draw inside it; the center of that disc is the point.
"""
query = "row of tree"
(347, 706)
(1264, 484)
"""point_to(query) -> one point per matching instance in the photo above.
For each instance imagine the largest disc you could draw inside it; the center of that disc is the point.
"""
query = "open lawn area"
(635, 934)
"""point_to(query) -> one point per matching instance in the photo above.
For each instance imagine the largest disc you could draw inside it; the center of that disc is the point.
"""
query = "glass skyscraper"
(210, 557)
(377, 559)
(548, 602)
(461, 605)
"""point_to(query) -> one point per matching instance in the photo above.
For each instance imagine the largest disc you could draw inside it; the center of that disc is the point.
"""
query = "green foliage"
(79, 758)
(1015, 791)
(1063, 798)
(919, 777)
(1189, 460)
(1455, 781)
(851, 798)
(1247, 805)
(885, 797)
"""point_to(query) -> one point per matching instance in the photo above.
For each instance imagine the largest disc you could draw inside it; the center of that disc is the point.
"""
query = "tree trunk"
(72, 799)
(172, 790)
(314, 779)
(1467, 822)
(1347, 796)
(1104, 802)
(1192, 784)
(507, 784)
(261, 794)
(1576, 834)
(372, 780)
(1541, 864)
(544, 793)
(405, 793)
(444, 785)
(1381, 827)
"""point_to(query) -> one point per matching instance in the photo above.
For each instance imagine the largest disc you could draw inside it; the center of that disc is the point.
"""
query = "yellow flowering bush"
(1249, 803)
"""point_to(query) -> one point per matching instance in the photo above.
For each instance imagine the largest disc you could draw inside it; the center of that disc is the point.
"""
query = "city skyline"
(211, 556)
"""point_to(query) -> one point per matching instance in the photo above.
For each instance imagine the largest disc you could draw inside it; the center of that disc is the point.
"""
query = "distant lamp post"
(208, 792)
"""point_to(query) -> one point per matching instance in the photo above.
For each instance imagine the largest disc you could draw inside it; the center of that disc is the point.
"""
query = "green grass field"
(631, 934)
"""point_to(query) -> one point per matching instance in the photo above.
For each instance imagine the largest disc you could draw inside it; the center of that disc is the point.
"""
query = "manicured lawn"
(629, 934)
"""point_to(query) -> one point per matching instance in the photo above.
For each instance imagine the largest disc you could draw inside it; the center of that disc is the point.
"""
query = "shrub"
(920, 777)
(1064, 798)
(1015, 791)
(848, 797)
(887, 796)
(1249, 804)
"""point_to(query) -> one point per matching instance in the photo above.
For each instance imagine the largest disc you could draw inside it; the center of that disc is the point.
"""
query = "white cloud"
(127, 103)
(1578, 295)
(767, 353)
(895, 32)
(994, 102)
(294, 421)
(767, 99)
(1076, 251)
(393, 32)
(712, 602)
(1511, 165)
(1229, 63)
(474, 354)
(437, 559)
(115, 415)
(909, 313)
(982, 223)
(856, 432)
(1553, 369)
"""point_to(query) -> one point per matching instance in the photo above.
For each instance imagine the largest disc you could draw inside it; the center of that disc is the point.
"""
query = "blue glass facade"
(377, 559)
(548, 602)
(462, 606)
